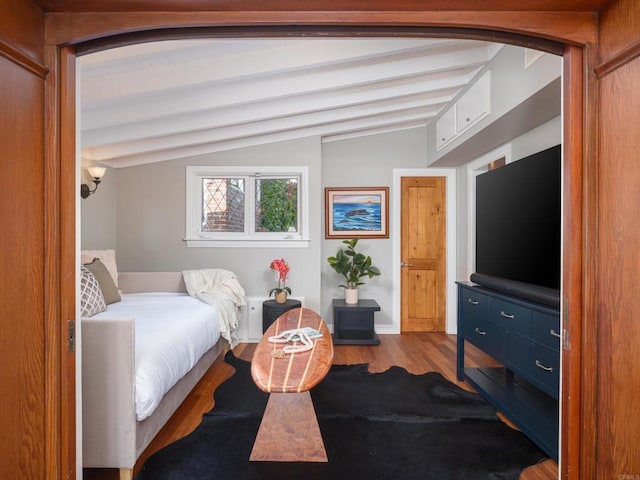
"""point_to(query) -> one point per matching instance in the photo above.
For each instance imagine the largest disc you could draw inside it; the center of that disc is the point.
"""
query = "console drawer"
(473, 303)
(545, 329)
(537, 363)
(546, 363)
(487, 336)
(511, 316)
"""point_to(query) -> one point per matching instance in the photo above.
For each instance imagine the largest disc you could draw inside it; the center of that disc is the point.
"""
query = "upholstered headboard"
(139, 282)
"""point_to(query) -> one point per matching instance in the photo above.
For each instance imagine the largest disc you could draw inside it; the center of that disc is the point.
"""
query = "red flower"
(281, 267)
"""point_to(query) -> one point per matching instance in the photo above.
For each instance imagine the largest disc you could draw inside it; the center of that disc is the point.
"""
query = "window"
(246, 206)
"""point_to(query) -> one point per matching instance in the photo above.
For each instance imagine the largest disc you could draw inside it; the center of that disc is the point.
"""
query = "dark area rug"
(375, 426)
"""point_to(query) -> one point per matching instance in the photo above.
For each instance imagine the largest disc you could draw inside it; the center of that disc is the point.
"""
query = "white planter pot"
(350, 296)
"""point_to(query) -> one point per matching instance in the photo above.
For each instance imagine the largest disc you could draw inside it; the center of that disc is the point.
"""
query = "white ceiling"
(167, 100)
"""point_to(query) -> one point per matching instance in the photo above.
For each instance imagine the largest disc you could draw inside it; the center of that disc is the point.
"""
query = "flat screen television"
(518, 225)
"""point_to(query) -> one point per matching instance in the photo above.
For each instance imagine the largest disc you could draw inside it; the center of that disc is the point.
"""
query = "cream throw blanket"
(221, 289)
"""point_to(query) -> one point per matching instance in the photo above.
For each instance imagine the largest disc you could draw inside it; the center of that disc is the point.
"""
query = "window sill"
(280, 243)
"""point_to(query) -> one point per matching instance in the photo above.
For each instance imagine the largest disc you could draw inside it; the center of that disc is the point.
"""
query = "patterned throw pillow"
(91, 297)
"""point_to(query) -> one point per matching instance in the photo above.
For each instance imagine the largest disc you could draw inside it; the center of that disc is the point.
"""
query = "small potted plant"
(353, 266)
(281, 267)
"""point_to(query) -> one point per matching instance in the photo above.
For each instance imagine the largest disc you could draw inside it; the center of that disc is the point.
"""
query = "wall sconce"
(96, 173)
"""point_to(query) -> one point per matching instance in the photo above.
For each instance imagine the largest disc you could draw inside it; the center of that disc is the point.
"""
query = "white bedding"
(172, 332)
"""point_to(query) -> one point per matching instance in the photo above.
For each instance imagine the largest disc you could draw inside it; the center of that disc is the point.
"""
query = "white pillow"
(108, 257)
(91, 297)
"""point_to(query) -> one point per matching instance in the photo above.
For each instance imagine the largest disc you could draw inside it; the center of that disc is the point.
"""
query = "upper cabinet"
(516, 94)
(475, 104)
(471, 107)
(446, 127)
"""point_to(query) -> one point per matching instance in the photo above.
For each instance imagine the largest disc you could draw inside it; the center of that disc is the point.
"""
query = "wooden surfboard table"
(289, 430)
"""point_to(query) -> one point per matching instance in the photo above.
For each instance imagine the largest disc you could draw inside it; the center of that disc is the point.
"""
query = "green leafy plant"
(278, 205)
(352, 265)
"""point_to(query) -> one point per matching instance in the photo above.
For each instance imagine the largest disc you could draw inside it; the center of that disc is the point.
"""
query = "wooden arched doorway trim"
(68, 34)
(123, 39)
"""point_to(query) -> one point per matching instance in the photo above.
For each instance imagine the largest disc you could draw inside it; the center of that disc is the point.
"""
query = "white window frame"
(195, 237)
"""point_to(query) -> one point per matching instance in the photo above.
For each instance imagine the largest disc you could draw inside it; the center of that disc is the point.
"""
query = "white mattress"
(172, 332)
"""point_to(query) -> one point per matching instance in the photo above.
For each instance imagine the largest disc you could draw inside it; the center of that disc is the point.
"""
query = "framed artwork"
(356, 212)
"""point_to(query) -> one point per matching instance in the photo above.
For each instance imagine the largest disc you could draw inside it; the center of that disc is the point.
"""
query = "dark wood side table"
(353, 324)
(272, 310)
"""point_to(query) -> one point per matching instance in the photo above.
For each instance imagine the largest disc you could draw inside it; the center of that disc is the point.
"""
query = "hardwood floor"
(417, 352)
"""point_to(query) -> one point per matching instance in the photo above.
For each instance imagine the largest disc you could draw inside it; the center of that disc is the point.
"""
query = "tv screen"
(518, 219)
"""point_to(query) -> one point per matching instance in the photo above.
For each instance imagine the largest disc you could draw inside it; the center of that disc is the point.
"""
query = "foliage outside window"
(277, 204)
(245, 205)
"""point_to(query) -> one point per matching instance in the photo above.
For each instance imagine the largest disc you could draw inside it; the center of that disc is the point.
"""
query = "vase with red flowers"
(281, 269)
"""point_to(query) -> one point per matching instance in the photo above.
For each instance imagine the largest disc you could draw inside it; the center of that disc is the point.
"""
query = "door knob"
(402, 264)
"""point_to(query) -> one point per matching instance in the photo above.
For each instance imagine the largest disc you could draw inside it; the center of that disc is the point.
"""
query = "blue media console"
(524, 337)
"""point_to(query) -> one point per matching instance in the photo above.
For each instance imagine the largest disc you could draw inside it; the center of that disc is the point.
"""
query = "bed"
(140, 359)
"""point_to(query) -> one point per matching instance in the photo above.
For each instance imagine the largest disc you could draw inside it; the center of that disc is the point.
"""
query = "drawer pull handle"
(543, 367)
(480, 332)
(472, 301)
(554, 333)
(506, 315)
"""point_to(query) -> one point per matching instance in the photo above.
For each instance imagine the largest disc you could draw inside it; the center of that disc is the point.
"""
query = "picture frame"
(356, 212)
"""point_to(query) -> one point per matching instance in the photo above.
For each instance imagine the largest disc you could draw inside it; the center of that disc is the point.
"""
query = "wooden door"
(27, 346)
(423, 254)
(22, 313)
(613, 310)
(37, 263)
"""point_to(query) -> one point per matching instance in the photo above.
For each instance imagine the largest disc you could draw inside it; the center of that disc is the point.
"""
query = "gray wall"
(98, 213)
(150, 227)
(140, 211)
(142, 215)
(545, 136)
(368, 161)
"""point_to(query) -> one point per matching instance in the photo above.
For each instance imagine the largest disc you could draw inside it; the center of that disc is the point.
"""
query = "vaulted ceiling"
(173, 99)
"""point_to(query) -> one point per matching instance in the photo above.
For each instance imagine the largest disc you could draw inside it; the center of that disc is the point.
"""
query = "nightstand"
(272, 310)
(353, 324)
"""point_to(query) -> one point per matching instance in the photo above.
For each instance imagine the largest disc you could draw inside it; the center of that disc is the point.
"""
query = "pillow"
(107, 257)
(108, 287)
(91, 298)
